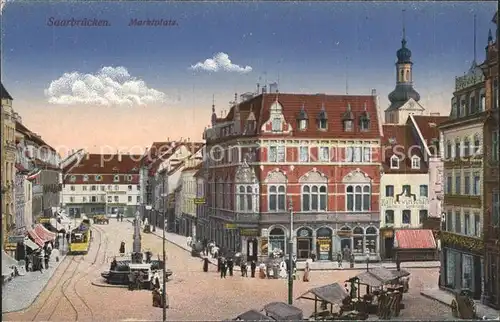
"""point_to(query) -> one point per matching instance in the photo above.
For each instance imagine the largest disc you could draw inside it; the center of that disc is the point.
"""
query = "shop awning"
(44, 234)
(7, 264)
(30, 244)
(414, 239)
(39, 241)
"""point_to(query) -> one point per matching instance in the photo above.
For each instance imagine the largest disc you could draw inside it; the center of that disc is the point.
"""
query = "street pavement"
(20, 292)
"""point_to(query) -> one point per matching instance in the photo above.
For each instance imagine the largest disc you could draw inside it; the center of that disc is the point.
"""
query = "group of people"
(39, 260)
(119, 217)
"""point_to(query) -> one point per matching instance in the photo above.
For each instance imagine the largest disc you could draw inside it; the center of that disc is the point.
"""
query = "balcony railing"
(463, 201)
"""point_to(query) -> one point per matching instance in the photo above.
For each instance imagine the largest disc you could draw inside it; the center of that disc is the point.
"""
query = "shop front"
(304, 243)
(277, 240)
(345, 236)
(387, 242)
(324, 241)
(250, 242)
(462, 270)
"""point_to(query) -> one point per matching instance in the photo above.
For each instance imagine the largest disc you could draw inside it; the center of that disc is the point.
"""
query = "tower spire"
(213, 102)
(475, 51)
(403, 41)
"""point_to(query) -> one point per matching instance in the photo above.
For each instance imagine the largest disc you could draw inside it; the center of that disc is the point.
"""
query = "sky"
(122, 86)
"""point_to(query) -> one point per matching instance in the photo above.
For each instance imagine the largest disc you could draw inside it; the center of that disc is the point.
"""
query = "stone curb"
(424, 294)
(101, 284)
(364, 268)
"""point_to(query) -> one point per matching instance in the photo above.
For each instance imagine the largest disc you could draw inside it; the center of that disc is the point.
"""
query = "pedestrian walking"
(205, 264)
(339, 260)
(253, 266)
(223, 269)
(230, 266)
(307, 270)
(243, 267)
(219, 264)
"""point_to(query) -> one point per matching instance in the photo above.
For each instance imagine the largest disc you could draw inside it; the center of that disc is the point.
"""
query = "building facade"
(8, 165)
(102, 184)
(491, 199)
(310, 154)
(462, 236)
(188, 199)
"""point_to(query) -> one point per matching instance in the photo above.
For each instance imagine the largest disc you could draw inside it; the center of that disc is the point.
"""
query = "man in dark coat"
(223, 268)
(219, 264)
(114, 263)
(244, 272)
(205, 264)
(230, 266)
(253, 266)
(339, 260)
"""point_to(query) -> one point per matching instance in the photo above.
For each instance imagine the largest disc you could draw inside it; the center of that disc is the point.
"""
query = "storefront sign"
(344, 233)
(404, 202)
(325, 246)
(44, 220)
(15, 239)
(264, 246)
(304, 233)
(11, 246)
(230, 226)
(199, 201)
(249, 232)
(388, 233)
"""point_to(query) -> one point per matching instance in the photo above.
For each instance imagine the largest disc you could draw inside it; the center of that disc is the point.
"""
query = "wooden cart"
(463, 306)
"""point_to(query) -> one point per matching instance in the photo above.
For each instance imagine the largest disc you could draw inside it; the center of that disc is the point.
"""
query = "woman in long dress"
(205, 264)
(305, 278)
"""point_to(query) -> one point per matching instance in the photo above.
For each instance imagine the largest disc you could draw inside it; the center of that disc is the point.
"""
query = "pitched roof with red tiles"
(161, 151)
(106, 164)
(400, 140)
(335, 107)
(429, 126)
(415, 239)
(31, 136)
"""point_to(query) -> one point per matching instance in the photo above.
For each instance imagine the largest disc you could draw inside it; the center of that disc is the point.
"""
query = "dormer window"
(415, 162)
(98, 178)
(302, 119)
(394, 162)
(348, 126)
(134, 169)
(347, 119)
(323, 119)
(85, 178)
(129, 178)
(116, 178)
(276, 127)
(72, 178)
(364, 121)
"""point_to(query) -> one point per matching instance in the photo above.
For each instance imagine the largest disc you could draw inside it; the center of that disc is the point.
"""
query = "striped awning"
(39, 241)
(44, 234)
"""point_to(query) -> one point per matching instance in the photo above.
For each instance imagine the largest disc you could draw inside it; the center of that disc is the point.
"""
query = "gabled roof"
(4, 94)
(335, 107)
(106, 164)
(399, 140)
(429, 126)
(35, 138)
(162, 151)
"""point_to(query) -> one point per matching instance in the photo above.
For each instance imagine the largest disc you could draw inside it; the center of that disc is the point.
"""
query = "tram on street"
(80, 237)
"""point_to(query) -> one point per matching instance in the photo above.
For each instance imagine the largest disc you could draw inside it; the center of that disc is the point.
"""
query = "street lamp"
(367, 256)
(290, 255)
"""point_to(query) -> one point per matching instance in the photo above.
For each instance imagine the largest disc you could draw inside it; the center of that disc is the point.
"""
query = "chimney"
(264, 89)
(258, 88)
(119, 157)
(374, 92)
(435, 114)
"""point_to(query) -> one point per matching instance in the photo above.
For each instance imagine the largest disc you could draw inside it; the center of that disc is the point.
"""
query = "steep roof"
(400, 140)
(161, 151)
(4, 94)
(31, 136)
(106, 164)
(335, 106)
(429, 125)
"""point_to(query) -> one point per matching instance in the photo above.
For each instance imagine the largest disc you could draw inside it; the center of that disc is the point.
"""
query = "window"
(117, 188)
(302, 125)
(277, 198)
(72, 188)
(116, 198)
(129, 178)
(406, 189)
(84, 188)
(110, 199)
(458, 222)
(367, 154)
(129, 198)
(389, 217)
(467, 187)
(129, 188)
(85, 178)
(365, 124)
(71, 199)
(457, 149)
(495, 214)
(467, 229)
(102, 188)
(98, 178)
(458, 183)
(84, 199)
(476, 188)
(449, 221)
(449, 184)
(466, 147)
(448, 154)
(494, 146)
(322, 124)
(477, 145)
(138, 199)
(394, 162)
(93, 188)
(276, 126)
(304, 154)
(244, 198)
(477, 225)
(138, 188)
(116, 178)
(72, 178)
(406, 216)
(348, 126)
(349, 154)
(276, 154)
(357, 154)
(422, 216)
(389, 191)
(424, 190)
(314, 198)
(495, 94)
(94, 199)
(358, 198)
(324, 154)
(415, 162)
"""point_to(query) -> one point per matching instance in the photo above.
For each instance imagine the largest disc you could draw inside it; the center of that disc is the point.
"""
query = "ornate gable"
(411, 105)
(276, 176)
(276, 122)
(314, 176)
(245, 174)
(357, 176)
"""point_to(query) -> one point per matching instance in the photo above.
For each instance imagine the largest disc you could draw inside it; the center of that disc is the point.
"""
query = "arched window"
(477, 144)
(314, 198)
(358, 234)
(458, 148)
(277, 198)
(394, 162)
(415, 162)
(467, 147)
(371, 239)
(277, 240)
(358, 198)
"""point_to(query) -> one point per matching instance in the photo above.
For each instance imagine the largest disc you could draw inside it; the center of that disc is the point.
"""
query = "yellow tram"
(80, 238)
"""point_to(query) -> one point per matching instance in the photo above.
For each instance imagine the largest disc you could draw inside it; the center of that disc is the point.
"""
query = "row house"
(315, 155)
(464, 163)
(188, 197)
(410, 166)
(102, 184)
(164, 162)
(491, 199)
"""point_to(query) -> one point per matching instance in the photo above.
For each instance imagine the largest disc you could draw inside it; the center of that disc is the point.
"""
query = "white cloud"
(220, 62)
(109, 86)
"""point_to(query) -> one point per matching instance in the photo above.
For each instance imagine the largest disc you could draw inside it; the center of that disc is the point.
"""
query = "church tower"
(404, 90)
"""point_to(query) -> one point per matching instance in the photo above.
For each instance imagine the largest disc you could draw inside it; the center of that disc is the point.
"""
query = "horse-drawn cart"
(101, 220)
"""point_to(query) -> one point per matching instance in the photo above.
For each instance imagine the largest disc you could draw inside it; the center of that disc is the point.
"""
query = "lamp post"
(367, 257)
(290, 255)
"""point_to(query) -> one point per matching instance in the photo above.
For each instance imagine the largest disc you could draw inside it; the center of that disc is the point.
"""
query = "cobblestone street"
(193, 294)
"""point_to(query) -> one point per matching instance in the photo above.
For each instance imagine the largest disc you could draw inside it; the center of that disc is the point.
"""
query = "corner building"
(318, 154)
